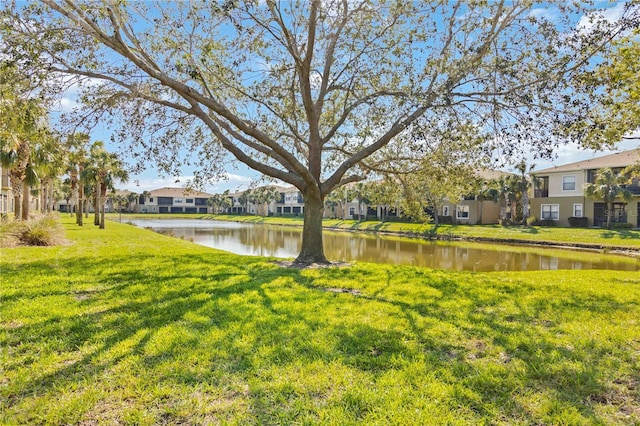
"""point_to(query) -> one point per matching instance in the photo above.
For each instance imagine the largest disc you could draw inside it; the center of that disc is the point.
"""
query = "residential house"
(473, 209)
(236, 206)
(174, 200)
(291, 202)
(559, 192)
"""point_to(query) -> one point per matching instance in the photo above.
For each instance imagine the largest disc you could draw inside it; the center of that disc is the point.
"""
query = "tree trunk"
(17, 206)
(79, 210)
(50, 205)
(101, 204)
(96, 204)
(25, 201)
(609, 214)
(436, 218)
(525, 207)
(312, 250)
(44, 193)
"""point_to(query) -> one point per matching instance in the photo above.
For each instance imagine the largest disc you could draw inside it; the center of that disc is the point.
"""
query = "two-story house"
(291, 202)
(174, 200)
(559, 192)
(474, 209)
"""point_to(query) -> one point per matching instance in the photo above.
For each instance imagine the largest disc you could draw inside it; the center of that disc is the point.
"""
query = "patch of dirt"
(293, 265)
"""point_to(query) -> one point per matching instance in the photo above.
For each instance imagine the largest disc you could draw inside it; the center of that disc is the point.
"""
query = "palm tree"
(340, 197)
(609, 187)
(507, 187)
(486, 194)
(265, 196)
(361, 193)
(523, 187)
(51, 165)
(243, 199)
(102, 169)
(132, 197)
(119, 200)
(76, 145)
(220, 202)
(144, 197)
(20, 136)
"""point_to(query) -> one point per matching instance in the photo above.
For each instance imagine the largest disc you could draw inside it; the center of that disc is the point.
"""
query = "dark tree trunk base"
(294, 265)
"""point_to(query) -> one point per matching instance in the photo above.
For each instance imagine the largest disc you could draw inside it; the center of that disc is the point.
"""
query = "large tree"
(617, 80)
(313, 93)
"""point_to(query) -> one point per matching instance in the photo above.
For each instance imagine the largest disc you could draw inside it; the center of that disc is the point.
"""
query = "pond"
(285, 241)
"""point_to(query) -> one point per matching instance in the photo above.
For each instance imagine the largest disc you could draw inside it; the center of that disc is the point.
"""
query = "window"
(541, 187)
(577, 210)
(352, 211)
(462, 212)
(550, 212)
(189, 201)
(445, 210)
(568, 183)
(177, 200)
(151, 200)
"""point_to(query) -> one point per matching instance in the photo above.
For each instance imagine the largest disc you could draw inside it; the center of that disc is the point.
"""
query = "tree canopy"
(314, 93)
(618, 78)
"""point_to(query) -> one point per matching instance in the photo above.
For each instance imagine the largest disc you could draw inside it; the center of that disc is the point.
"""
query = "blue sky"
(240, 177)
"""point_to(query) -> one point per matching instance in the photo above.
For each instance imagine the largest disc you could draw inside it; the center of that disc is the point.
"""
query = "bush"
(547, 222)
(445, 220)
(43, 231)
(578, 222)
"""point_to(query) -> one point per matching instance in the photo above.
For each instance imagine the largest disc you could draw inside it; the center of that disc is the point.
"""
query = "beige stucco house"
(174, 200)
(473, 209)
(559, 191)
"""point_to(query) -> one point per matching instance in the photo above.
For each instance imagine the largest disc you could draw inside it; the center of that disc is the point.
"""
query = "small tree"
(523, 189)
(340, 198)
(220, 202)
(265, 196)
(361, 193)
(243, 199)
(385, 194)
(609, 186)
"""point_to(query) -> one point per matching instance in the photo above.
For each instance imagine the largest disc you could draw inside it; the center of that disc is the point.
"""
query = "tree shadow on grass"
(623, 234)
(492, 344)
(225, 321)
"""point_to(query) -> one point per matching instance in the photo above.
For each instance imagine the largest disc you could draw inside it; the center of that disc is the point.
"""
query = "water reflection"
(283, 242)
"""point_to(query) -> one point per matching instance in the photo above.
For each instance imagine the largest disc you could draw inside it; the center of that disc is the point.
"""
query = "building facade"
(559, 192)
(6, 195)
(174, 200)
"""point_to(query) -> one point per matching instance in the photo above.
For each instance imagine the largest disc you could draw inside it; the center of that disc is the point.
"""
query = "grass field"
(128, 326)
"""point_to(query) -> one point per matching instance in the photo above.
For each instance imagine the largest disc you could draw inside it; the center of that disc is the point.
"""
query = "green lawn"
(128, 326)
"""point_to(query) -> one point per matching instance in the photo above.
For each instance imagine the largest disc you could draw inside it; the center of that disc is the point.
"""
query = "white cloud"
(65, 104)
(140, 184)
(550, 14)
(588, 21)
(571, 153)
